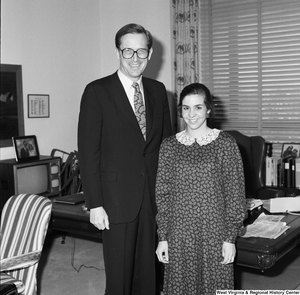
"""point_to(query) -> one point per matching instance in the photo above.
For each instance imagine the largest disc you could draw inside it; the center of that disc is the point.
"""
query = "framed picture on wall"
(38, 106)
(26, 148)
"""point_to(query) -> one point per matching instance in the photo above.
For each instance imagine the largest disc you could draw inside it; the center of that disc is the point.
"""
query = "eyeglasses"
(129, 53)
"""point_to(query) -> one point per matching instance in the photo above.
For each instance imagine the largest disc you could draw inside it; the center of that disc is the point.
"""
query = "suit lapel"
(149, 100)
(121, 100)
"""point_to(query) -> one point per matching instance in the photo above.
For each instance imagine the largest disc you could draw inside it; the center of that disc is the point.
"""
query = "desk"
(73, 220)
(259, 253)
(262, 253)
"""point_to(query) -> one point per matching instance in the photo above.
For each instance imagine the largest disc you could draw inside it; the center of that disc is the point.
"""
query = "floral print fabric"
(201, 203)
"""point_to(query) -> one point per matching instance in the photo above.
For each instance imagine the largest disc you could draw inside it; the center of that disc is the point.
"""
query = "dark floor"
(56, 274)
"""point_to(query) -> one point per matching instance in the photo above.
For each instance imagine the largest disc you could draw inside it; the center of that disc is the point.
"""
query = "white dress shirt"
(127, 84)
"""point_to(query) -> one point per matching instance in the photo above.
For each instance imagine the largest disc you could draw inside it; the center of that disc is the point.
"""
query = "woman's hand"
(162, 252)
(228, 252)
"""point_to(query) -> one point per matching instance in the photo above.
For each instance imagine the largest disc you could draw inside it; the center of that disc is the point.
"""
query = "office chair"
(70, 172)
(253, 152)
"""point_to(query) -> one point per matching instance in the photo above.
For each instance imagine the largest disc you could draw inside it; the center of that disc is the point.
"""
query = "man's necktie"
(139, 108)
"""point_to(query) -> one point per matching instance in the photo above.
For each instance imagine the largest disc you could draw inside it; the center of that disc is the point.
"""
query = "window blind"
(250, 59)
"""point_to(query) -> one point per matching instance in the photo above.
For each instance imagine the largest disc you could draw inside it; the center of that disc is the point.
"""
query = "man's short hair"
(133, 29)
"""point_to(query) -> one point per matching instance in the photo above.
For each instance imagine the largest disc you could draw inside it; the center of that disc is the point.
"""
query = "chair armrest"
(20, 261)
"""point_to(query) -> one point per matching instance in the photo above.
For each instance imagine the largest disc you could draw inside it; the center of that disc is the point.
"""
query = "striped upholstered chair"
(24, 223)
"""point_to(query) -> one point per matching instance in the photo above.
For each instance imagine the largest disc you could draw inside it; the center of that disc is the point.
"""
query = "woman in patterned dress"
(201, 201)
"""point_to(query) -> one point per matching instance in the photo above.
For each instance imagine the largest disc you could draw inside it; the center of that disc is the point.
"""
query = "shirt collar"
(183, 138)
(127, 83)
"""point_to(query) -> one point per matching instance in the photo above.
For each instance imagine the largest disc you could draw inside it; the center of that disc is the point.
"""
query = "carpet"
(77, 267)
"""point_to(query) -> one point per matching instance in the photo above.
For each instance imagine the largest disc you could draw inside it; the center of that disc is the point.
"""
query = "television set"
(40, 177)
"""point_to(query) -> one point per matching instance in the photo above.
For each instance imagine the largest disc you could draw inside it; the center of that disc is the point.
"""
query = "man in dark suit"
(24, 153)
(118, 162)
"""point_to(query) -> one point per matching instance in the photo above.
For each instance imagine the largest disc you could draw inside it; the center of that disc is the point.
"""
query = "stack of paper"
(266, 226)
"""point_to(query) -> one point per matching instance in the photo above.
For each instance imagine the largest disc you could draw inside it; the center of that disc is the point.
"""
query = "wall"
(64, 44)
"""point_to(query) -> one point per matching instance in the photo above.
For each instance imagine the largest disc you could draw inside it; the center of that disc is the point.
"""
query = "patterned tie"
(139, 108)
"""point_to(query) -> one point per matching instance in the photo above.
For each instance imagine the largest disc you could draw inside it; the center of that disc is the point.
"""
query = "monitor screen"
(32, 179)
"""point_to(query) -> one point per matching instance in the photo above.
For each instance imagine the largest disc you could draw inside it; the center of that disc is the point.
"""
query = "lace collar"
(183, 138)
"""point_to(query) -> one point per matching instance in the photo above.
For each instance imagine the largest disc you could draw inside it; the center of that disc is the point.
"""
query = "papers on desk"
(266, 226)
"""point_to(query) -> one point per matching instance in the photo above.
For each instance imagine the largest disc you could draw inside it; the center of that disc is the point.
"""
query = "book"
(274, 172)
(271, 171)
(287, 173)
(292, 172)
(71, 199)
(268, 171)
(297, 172)
(280, 173)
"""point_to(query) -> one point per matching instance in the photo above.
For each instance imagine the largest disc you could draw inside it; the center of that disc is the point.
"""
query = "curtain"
(186, 41)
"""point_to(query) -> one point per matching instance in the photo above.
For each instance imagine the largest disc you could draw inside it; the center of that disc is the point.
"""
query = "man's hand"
(162, 252)
(228, 252)
(99, 218)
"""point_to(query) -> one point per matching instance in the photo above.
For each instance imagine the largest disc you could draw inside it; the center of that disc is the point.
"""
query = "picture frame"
(26, 148)
(38, 106)
(11, 104)
(290, 149)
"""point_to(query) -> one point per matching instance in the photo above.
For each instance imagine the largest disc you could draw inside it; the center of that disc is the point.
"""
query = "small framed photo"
(290, 149)
(38, 106)
(26, 148)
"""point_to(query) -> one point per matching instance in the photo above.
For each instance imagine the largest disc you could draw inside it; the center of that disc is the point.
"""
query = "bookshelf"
(283, 172)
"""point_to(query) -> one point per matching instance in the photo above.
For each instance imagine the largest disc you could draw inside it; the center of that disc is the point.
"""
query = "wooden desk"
(259, 253)
(71, 219)
(262, 253)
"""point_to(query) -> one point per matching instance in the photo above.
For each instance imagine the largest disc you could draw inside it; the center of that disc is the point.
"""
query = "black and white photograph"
(26, 148)
(290, 150)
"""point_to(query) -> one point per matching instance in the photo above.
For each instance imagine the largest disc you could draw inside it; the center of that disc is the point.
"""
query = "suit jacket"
(116, 163)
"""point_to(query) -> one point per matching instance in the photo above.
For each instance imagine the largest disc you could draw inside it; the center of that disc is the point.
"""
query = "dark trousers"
(129, 255)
